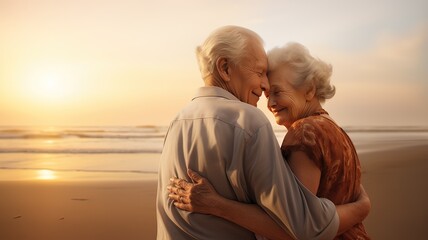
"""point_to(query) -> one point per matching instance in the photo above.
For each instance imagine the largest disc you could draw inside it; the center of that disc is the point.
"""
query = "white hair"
(228, 42)
(308, 69)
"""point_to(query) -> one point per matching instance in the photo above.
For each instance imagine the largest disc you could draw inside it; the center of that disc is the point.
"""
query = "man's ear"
(310, 92)
(222, 65)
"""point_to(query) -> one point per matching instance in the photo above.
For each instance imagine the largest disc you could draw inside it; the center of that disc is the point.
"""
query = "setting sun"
(51, 83)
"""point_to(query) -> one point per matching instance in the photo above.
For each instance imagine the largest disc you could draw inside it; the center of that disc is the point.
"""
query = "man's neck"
(221, 84)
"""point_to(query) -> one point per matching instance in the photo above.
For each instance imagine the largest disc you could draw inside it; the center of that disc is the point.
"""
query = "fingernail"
(168, 188)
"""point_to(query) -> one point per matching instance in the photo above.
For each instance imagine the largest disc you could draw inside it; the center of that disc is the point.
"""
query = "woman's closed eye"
(274, 93)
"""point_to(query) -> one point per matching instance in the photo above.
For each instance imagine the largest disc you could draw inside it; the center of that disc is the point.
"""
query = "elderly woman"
(319, 152)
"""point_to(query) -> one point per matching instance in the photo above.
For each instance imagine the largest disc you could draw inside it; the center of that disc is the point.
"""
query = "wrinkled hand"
(200, 196)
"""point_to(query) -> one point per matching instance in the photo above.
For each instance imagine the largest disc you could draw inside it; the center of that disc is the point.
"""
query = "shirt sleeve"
(304, 136)
(273, 186)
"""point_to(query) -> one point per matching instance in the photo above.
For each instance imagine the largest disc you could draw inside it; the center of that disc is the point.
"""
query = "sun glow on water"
(46, 175)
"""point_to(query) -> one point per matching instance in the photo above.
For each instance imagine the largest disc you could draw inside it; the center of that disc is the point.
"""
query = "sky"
(94, 62)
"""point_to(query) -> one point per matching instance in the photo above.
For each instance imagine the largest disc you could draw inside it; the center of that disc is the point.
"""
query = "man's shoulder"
(232, 112)
(240, 113)
(246, 110)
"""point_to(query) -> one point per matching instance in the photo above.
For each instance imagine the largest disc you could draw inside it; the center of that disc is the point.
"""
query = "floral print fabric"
(333, 152)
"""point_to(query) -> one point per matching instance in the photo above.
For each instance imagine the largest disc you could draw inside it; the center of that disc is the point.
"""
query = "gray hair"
(308, 69)
(228, 42)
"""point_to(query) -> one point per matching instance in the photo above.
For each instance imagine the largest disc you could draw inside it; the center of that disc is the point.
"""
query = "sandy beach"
(395, 178)
(78, 210)
(397, 183)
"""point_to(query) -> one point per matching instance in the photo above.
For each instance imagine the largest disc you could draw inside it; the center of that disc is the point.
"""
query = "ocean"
(127, 152)
(74, 153)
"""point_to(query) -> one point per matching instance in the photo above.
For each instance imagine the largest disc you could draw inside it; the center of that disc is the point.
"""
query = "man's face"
(248, 78)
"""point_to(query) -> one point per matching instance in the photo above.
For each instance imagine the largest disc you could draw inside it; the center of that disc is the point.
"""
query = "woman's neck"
(311, 108)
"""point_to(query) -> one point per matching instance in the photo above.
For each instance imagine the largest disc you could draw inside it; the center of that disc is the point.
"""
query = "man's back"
(209, 136)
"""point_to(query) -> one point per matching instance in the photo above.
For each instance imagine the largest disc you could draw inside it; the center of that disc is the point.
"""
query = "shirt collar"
(212, 91)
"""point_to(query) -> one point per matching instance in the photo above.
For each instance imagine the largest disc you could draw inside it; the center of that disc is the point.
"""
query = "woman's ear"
(310, 92)
(222, 66)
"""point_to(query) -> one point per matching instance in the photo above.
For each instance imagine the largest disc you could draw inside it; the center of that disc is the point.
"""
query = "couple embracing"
(222, 174)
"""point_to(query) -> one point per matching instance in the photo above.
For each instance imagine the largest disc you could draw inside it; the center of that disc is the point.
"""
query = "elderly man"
(226, 138)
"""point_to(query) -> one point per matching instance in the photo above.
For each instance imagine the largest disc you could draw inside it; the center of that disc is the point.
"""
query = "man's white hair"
(228, 42)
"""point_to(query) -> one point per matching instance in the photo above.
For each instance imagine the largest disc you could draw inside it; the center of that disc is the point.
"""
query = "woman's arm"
(305, 170)
(353, 213)
(309, 174)
(203, 198)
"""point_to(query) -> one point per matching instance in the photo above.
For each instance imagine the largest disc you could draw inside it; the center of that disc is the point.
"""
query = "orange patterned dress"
(334, 153)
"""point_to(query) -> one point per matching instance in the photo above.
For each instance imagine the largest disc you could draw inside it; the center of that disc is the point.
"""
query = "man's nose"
(271, 101)
(265, 84)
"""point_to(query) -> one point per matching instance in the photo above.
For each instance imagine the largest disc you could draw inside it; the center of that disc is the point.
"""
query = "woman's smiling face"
(286, 102)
